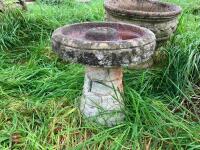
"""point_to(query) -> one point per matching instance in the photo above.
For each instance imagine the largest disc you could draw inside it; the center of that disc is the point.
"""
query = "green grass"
(39, 93)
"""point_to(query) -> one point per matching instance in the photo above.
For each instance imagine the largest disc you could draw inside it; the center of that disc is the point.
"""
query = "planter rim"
(176, 10)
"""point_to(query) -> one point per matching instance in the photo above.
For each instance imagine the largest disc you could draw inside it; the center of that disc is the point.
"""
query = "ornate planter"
(159, 17)
(1, 5)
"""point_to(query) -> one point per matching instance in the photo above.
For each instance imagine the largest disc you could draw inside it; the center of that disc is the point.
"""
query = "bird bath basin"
(104, 48)
(159, 17)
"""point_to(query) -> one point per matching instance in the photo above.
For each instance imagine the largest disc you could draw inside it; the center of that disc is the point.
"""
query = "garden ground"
(39, 92)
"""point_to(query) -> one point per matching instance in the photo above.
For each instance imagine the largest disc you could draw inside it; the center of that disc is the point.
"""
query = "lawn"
(39, 93)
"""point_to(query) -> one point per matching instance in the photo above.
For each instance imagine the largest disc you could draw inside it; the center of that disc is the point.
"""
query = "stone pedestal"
(101, 100)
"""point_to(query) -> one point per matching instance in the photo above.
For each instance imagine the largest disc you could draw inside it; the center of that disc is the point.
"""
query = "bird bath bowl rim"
(146, 37)
(73, 47)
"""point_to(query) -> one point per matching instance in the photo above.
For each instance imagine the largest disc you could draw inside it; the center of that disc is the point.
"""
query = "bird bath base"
(101, 100)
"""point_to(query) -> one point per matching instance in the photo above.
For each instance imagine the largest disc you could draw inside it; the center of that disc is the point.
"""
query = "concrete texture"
(104, 48)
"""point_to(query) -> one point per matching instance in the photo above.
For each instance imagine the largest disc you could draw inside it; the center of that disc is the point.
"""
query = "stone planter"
(159, 17)
(22, 4)
(104, 48)
(18, 4)
(2, 6)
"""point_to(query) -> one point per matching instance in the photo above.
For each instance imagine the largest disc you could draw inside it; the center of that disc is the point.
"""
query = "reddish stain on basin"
(102, 32)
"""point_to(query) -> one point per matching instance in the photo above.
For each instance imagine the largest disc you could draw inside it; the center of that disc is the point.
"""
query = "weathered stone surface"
(106, 84)
(100, 88)
(104, 48)
(162, 30)
(134, 46)
(159, 17)
(102, 99)
(1, 5)
(99, 74)
(96, 74)
(16, 4)
(22, 3)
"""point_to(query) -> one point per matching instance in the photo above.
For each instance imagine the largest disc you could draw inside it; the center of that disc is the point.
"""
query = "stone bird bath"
(104, 48)
(159, 17)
